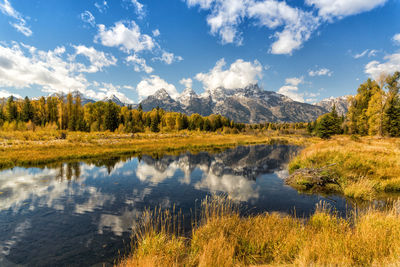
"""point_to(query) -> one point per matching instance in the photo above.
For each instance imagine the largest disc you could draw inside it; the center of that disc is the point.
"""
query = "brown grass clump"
(363, 168)
(221, 237)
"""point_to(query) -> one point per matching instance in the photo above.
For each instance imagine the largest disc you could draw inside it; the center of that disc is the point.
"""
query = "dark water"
(80, 214)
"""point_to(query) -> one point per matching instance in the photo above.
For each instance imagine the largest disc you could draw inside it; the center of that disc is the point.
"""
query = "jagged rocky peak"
(161, 94)
(115, 99)
(187, 95)
(341, 103)
(220, 93)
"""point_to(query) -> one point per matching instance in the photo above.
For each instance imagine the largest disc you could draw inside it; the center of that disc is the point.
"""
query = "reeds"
(221, 237)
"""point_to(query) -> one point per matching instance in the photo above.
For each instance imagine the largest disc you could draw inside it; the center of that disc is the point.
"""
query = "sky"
(308, 50)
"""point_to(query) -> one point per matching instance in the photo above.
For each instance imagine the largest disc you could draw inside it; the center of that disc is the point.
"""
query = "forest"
(374, 110)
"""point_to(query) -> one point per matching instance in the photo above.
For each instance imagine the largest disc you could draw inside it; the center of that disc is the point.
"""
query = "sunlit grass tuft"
(221, 237)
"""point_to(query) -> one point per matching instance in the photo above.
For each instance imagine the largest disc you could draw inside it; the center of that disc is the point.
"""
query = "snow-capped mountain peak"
(161, 94)
(115, 99)
(187, 95)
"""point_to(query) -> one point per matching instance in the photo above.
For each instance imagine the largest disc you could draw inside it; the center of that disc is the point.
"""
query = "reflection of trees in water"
(246, 161)
(69, 171)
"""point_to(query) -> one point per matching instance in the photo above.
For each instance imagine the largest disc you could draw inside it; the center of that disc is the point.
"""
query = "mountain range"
(250, 104)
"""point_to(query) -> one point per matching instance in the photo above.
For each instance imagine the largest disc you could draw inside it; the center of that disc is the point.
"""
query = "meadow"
(31, 148)
(221, 237)
(357, 167)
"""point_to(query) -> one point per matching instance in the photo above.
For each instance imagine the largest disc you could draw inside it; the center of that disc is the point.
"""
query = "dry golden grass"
(364, 168)
(223, 238)
(28, 148)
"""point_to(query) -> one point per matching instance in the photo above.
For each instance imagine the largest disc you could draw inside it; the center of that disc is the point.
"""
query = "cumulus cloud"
(102, 6)
(139, 64)
(226, 16)
(88, 17)
(187, 82)
(240, 74)
(20, 24)
(320, 72)
(23, 66)
(152, 84)
(376, 68)
(293, 26)
(290, 89)
(329, 9)
(396, 39)
(297, 24)
(168, 58)
(125, 36)
(97, 59)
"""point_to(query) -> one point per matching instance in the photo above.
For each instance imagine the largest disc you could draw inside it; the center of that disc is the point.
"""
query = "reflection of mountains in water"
(246, 161)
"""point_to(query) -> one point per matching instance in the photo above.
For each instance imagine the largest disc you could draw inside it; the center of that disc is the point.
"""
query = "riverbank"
(222, 237)
(361, 168)
(35, 148)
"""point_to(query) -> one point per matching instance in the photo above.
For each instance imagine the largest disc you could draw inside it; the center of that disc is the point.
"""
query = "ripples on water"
(81, 213)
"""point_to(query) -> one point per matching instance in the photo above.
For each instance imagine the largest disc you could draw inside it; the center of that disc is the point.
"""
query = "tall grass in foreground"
(222, 237)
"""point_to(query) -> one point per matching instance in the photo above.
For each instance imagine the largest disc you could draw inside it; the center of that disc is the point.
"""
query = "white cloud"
(291, 88)
(396, 39)
(187, 82)
(97, 59)
(329, 9)
(293, 26)
(240, 74)
(101, 6)
(5, 94)
(139, 8)
(168, 58)
(226, 16)
(294, 81)
(320, 72)
(362, 54)
(149, 86)
(297, 24)
(126, 37)
(156, 32)
(376, 68)
(366, 52)
(23, 66)
(139, 64)
(87, 17)
(20, 25)
(108, 90)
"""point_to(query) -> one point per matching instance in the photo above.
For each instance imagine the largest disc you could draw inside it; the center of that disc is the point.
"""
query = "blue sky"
(308, 50)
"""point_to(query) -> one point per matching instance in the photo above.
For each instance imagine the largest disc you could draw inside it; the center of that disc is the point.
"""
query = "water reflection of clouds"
(236, 187)
(150, 173)
(34, 188)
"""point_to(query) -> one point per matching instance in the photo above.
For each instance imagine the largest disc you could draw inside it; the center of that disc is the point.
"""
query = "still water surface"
(81, 214)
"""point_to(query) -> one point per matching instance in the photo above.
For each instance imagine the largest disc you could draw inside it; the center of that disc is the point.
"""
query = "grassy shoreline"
(17, 149)
(360, 168)
(222, 237)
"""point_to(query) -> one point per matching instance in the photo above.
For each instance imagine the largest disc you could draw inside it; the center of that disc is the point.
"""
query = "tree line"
(374, 110)
(68, 113)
